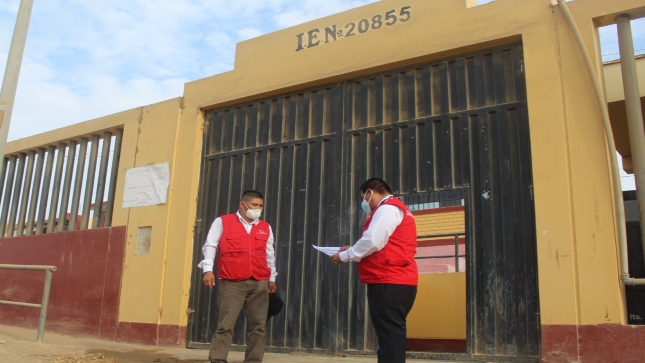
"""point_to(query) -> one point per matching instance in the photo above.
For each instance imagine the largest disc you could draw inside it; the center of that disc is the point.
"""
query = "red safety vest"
(395, 263)
(242, 255)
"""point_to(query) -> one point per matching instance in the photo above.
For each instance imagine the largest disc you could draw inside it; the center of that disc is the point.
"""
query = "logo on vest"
(262, 232)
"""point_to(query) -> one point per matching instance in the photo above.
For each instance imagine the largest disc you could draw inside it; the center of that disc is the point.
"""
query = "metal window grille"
(55, 188)
(433, 200)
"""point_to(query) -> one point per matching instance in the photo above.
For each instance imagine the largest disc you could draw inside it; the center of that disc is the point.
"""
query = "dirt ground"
(15, 347)
(18, 345)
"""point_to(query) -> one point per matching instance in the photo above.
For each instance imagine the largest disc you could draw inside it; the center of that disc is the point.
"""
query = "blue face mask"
(365, 204)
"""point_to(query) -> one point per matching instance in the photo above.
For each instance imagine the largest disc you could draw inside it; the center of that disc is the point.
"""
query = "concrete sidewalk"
(18, 345)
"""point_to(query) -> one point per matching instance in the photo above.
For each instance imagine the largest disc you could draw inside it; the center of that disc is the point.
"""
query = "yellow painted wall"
(145, 277)
(577, 258)
(440, 223)
(439, 311)
(149, 137)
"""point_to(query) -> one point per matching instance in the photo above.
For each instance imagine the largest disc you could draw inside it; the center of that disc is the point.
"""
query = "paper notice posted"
(329, 251)
(146, 185)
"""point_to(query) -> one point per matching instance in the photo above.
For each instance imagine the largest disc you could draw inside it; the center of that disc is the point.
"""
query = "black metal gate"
(440, 126)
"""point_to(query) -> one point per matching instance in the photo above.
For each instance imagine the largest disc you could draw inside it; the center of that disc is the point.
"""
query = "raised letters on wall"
(316, 37)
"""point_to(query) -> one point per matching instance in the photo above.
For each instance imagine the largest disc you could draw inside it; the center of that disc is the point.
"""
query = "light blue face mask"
(366, 204)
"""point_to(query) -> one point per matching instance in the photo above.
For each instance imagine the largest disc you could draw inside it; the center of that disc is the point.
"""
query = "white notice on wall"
(147, 185)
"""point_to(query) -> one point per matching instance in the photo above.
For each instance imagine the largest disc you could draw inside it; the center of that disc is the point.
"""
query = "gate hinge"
(531, 191)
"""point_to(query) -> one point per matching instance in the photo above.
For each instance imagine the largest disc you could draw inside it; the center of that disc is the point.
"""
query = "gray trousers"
(231, 296)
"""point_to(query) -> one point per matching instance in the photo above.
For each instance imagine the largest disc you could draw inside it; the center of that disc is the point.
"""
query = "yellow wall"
(142, 144)
(577, 258)
(440, 223)
(439, 311)
(145, 277)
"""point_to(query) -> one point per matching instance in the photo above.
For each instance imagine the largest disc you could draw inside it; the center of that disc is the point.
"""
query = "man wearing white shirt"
(385, 255)
(242, 245)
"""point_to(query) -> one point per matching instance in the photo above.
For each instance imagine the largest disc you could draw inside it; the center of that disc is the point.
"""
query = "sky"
(87, 59)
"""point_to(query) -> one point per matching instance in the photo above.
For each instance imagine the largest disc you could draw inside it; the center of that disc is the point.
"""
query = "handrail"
(45, 301)
(456, 255)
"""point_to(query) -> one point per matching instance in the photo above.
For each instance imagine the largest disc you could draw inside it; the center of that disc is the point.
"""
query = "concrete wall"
(574, 213)
(577, 251)
(149, 137)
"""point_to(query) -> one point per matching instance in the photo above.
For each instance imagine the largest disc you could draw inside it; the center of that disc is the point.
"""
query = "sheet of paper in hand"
(329, 251)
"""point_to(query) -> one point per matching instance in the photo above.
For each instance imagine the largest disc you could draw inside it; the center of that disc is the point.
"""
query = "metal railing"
(45, 301)
(456, 255)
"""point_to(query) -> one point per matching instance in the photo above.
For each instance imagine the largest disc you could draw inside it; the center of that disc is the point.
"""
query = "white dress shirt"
(384, 222)
(212, 241)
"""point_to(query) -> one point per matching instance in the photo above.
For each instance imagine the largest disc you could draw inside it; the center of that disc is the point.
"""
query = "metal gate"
(440, 126)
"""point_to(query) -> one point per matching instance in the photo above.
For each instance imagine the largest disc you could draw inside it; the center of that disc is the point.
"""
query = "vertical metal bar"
(78, 184)
(44, 195)
(35, 191)
(634, 113)
(26, 190)
(100, 185)
(114, 172)
(64, 202)
(3, 173)
(43, 305)
(456, 253)
(16, 194)
(51, 223)
(7, 195)
(89, 182)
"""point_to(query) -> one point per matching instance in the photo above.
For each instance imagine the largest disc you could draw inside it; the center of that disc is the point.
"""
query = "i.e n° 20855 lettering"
(316, 36)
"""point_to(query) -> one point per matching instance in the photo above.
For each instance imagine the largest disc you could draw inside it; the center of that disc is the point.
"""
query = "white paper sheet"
(329, 251)
(147, 185)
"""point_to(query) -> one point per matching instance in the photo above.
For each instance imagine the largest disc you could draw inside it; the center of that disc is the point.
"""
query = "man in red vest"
(243, 245)
(385, 255)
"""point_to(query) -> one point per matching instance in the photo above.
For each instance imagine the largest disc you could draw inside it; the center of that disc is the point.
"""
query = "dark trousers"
(389, 306)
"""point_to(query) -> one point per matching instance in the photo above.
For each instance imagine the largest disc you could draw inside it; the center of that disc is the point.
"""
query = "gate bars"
(39, 197)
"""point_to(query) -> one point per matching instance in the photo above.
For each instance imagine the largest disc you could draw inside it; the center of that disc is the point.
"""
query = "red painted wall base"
(85, 291)
(152, 334)
(436, 345)
(606, 343)
(86, 287)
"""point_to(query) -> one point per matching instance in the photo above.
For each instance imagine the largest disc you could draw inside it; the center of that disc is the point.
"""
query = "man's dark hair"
(377, 185)
(251, 194)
